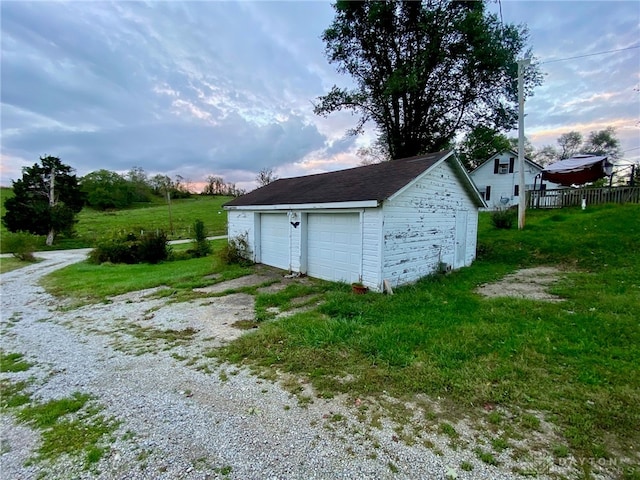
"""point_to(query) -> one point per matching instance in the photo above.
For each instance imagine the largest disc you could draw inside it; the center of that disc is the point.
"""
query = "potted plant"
(358, 288)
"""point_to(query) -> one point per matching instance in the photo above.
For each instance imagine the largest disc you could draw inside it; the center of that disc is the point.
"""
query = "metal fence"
(572, 197)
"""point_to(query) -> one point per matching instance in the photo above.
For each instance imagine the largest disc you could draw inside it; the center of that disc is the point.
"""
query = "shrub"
(201, 247)
(237, 251)
(21, 245)
(153, 247)
(503, 218)
(149, 247)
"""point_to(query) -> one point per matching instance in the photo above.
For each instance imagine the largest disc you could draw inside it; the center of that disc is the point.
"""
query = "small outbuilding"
(396, 221)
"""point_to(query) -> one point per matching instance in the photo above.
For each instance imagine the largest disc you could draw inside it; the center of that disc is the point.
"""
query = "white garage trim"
(334, 246)
(274, 240)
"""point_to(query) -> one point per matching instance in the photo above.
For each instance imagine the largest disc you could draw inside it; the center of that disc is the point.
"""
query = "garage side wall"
(420, 231)
(242, 222)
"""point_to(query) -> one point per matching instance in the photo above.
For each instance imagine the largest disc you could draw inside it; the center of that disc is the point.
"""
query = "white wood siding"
(372, 248)
(241, 223)
(419, 229)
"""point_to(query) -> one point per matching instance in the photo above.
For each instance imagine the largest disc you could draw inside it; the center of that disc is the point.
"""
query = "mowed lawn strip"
(88, 282)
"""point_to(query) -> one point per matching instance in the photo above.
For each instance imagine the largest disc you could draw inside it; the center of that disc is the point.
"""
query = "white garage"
(274, 240)
(392, 222)
(334, 246)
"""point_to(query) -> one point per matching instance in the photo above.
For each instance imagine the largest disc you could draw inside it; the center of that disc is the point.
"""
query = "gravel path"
(182, 415)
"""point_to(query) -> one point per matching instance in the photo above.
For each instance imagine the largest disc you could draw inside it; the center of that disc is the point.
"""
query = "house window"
(503, 166)
(516, 190)
(487, 193)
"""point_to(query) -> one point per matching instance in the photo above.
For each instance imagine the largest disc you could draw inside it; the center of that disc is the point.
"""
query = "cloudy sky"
(226, 88)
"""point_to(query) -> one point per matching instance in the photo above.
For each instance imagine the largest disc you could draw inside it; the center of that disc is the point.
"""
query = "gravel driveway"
(183, 415)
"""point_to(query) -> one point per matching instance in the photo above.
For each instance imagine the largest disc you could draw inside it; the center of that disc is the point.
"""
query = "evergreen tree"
(46, 200)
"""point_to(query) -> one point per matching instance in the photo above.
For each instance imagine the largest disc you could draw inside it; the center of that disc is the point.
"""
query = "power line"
(589, 55)
(630, 149)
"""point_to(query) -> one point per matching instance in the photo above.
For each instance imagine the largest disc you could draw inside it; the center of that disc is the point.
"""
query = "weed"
(466, 466)
(12, 362)
(499, 444)
(14, 394)
(448, 430)
(225, 471)
(69, 426)
(560, 451)
(486, 457)
(503, 218)
(530, 422)
(237, 251)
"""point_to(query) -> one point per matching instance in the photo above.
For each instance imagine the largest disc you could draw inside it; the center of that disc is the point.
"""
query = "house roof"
(375, 182)
(511, 152)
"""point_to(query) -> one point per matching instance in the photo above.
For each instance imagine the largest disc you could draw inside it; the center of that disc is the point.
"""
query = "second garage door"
(334, 246)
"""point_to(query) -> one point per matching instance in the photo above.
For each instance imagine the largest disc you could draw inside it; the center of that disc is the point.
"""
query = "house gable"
(498, 181)
(424, 223)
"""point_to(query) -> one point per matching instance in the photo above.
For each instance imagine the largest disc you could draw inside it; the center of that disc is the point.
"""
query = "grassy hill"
(93, 224)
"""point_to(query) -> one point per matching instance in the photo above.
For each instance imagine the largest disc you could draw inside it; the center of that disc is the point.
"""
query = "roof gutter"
(307, 206)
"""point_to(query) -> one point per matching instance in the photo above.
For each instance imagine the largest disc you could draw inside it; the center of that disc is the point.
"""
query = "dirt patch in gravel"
(528, 283)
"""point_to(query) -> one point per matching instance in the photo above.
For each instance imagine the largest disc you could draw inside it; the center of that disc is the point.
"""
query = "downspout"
(361, 245)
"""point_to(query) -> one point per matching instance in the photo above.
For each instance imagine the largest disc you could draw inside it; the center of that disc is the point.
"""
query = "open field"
(557, 378)
(93, 224)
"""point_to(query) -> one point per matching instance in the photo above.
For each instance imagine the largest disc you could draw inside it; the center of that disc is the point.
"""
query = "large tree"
(599, 142)
(479, 144)
(265, 177)
(425, 71)
(604, 142)
(570, 144)
(105, 189)
(46, 200)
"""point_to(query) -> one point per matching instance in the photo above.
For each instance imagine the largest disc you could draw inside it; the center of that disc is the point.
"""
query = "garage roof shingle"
(370, 182)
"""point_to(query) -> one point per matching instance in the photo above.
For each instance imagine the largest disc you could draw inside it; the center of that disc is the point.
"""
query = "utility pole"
(522, 205)
(52, 203)
(169, 203)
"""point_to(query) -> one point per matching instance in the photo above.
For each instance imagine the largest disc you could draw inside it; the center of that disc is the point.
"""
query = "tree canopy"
(425, 71)
(479, 144)
(105, 189)
(46, 200)
(598, 142)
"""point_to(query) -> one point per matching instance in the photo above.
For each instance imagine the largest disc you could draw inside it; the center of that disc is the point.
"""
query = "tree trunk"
(50, 237)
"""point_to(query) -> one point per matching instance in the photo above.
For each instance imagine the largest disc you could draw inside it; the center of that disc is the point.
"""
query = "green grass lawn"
(94, 224)
(575, 362)
(507, 364)
(93, 283)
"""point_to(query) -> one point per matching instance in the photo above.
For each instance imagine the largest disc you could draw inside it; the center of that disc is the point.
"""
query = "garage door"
(334, 246)
(274, 240)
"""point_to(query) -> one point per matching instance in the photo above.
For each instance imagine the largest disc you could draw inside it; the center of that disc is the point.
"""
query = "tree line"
(104, 189)
(48, 196)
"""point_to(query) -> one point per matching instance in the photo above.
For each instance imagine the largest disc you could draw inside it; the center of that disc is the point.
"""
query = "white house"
(498, 179)
(396, 221)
